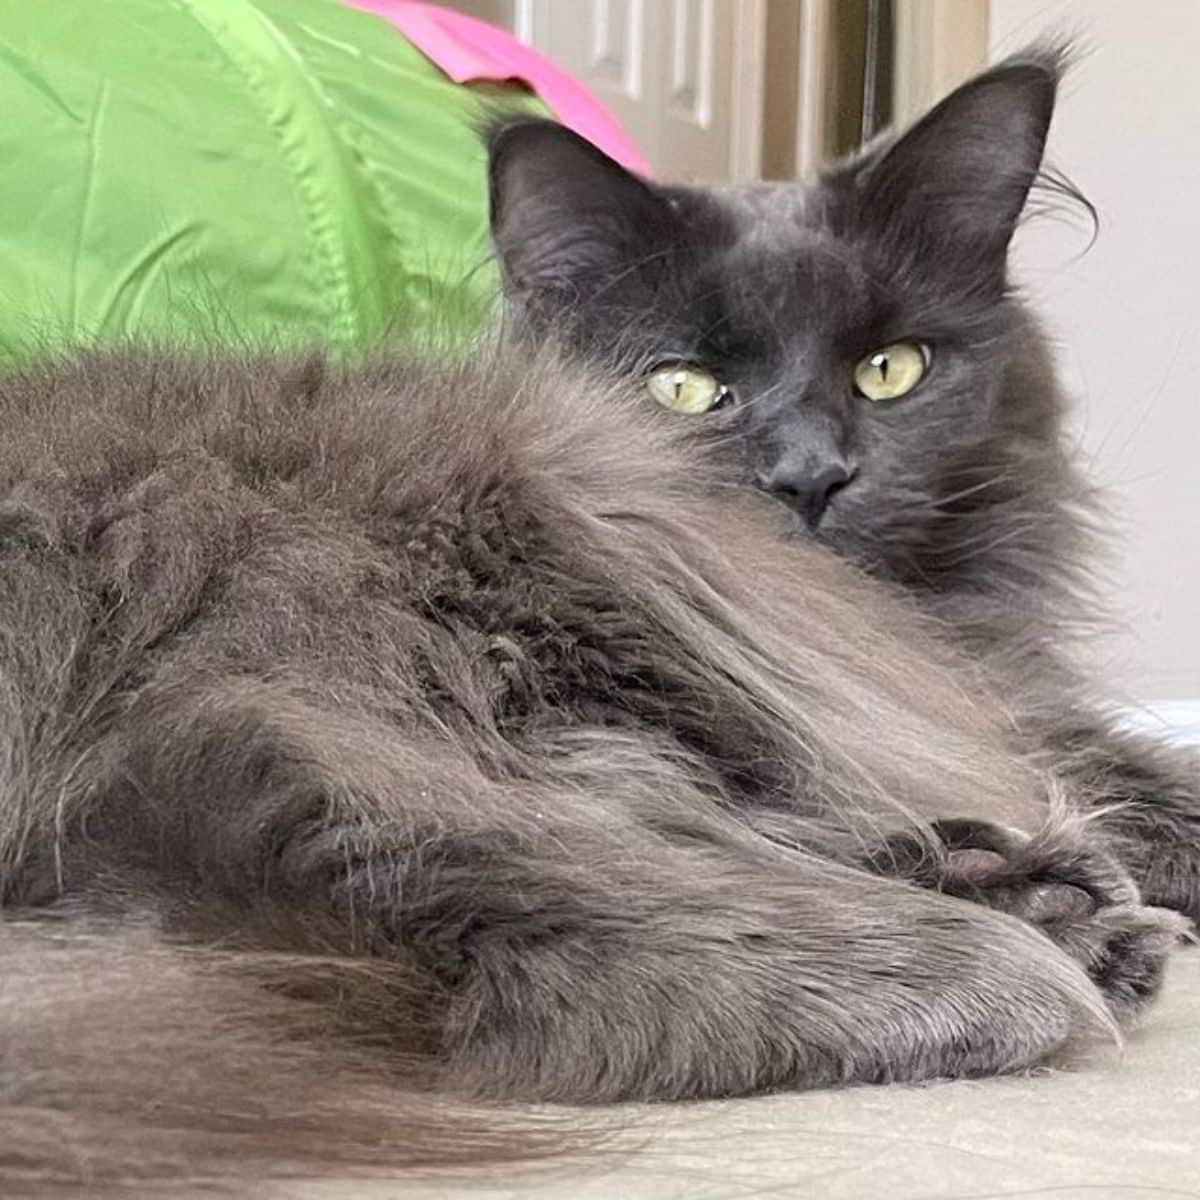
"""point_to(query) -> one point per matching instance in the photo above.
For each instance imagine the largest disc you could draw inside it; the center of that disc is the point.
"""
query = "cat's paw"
(1080, 896)
(1046, 879)
(1076, 893)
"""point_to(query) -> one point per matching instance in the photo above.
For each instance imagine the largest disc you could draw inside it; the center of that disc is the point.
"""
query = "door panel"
(616, 54)
(683, 76)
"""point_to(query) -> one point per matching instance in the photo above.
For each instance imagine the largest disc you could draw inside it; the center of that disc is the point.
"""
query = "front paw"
(1077, 894)
(1069, 887)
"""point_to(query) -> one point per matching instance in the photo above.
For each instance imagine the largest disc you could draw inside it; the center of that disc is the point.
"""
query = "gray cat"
(859, 341)
(377, 741)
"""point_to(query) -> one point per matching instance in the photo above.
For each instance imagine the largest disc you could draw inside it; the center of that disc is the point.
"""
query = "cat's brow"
(631, 268)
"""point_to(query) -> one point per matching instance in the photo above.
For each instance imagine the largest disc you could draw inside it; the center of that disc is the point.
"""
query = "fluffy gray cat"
(380, 741)
(860, 342)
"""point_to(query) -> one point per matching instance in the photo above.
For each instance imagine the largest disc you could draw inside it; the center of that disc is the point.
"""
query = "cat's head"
(856, 337)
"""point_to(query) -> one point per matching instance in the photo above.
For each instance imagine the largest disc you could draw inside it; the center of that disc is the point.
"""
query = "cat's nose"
(805, 489)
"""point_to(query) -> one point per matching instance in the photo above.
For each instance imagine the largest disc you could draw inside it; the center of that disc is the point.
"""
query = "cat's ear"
(565, 218)
(952, 187)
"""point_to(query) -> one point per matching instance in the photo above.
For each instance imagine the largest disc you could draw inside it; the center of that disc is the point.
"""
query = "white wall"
(1128, 312)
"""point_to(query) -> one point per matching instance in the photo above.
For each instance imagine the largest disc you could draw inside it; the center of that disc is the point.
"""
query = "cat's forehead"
(781, 262)
(764, 211)
(783, 225)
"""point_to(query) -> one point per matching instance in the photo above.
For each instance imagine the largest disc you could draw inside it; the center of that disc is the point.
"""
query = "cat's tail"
(130, 1067)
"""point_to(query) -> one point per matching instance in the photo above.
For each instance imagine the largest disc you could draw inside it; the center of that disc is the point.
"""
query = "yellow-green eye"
(892, 372)
(684, 388)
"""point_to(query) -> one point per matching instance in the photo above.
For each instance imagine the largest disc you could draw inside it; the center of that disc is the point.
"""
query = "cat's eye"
(685, 388)
(893, 371)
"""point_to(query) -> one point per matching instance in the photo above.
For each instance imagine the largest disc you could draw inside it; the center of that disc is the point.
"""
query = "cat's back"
(89, 430)
(273, 511)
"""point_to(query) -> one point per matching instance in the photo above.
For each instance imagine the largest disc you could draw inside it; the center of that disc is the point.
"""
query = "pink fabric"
(467, 49)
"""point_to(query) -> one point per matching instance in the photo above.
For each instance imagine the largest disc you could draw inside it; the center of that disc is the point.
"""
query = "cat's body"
(391, 729)
(961, 490)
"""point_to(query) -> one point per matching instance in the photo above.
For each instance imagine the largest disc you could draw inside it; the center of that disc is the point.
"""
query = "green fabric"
(279, 171)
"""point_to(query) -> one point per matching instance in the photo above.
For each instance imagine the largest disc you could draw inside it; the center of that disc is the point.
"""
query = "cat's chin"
(796, 529)
(831, 532)
(842, 539)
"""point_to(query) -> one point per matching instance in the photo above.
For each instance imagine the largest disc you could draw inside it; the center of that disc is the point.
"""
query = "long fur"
(135, 1065)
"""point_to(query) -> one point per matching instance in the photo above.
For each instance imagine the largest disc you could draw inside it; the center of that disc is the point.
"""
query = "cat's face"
(855, 339)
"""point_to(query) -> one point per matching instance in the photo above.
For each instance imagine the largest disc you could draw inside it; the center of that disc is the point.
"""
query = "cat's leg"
(605, 970)
(1150, 794)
